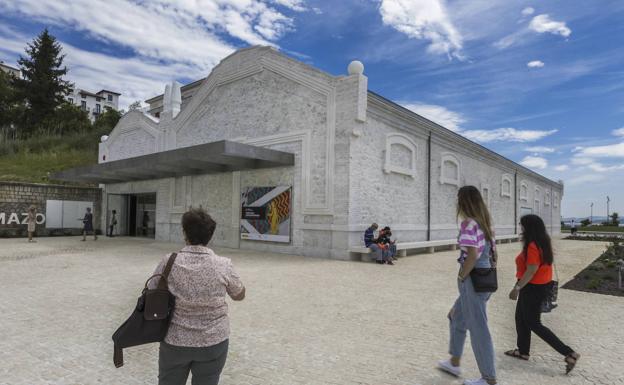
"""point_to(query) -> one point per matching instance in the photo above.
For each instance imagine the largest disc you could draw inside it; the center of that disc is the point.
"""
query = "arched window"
(524, 191)
(401, 154)
(547, 198)
(485, 193)
(450, 169)
(506, 185)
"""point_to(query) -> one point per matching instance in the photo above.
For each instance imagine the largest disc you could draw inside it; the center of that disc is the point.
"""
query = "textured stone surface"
(304, 321)
(17, 198)
(261, 97)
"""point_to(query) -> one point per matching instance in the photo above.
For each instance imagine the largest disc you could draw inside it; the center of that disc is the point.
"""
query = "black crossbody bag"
(484, 279)
(149, 321)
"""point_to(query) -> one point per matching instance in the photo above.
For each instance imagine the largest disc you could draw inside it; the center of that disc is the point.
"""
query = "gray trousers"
(206, 364)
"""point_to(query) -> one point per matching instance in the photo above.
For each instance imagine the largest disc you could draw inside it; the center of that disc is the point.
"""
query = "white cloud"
(163, 40)
(583, 179)
(535, 64)
(580, 161)
(528, 11)
(426, 20)
(506, 134)
(618, 132)
(439, 114)
(174, 30)
(608, 151)
(540, 149)
(534, 162)
(295, 5)
(543, 23)
(562, 167)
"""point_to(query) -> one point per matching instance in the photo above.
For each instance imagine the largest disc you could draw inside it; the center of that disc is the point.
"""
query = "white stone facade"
(359, 158)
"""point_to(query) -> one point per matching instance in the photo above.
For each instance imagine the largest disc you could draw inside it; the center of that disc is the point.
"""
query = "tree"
(615, 219)
(585, 222)
(135, 106)
(106, 121)
(66, 119)
(8, 106)
(42, 86)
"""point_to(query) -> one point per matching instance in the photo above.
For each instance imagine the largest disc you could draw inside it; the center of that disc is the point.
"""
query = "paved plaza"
(304, 321)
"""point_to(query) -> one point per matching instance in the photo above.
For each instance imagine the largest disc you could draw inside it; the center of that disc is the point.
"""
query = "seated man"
(372, 243)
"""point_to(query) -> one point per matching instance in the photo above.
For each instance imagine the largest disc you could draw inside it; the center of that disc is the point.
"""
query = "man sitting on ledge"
(372, 243)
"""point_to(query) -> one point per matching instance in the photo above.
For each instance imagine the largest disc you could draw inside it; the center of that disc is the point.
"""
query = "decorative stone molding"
(450, 169)
(555, 199)
(394, 140)
(280, 65)
(547, 198)
(524, 191)
(506, 185)
(485, 193)
(178, 189)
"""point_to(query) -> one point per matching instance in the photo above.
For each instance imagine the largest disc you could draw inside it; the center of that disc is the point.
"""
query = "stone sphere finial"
(104, 138)
(355, 68)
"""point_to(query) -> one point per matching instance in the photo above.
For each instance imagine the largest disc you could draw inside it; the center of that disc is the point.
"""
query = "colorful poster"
(265, 214)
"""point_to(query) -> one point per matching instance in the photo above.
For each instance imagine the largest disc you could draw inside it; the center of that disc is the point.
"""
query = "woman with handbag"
(200, 280)
(534, 268)
(476, 282)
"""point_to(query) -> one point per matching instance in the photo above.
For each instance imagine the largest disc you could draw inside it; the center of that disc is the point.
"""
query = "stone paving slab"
(304, 321)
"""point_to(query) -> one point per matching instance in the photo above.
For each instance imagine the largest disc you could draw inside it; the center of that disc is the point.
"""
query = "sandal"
(574, 357)
(515, 353)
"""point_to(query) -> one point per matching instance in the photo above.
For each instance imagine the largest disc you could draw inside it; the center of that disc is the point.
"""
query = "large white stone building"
(93, 103)
(262, 122)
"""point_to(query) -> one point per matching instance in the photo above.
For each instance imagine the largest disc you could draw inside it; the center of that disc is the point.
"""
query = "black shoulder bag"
(484, 279)
(149, 321)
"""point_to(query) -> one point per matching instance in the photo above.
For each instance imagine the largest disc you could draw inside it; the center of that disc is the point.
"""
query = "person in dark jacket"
(87, 223)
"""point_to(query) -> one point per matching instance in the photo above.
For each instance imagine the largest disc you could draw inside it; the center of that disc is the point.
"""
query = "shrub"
(595, 283)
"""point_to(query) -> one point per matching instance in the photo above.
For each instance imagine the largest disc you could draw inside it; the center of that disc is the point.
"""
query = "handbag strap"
(163, 283)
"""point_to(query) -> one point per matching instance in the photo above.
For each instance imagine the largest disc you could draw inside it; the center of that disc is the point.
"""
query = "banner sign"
(265, 213)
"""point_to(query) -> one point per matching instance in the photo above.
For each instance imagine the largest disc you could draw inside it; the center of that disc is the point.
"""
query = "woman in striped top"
(469, 313)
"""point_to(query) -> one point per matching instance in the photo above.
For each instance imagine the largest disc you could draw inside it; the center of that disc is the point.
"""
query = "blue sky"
(541, 82)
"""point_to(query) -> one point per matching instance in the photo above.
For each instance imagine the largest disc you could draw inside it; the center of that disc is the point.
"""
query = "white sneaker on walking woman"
(480, 381)
(446, 366)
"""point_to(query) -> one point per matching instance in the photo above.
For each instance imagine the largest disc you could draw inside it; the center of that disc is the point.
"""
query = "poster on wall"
(265, 213)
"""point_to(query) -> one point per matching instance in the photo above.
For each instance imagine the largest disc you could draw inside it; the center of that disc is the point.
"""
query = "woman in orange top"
(534, 274)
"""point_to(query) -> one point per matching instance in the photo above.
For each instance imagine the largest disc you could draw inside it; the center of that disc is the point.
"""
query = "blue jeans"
(469, 313)
(378, 253)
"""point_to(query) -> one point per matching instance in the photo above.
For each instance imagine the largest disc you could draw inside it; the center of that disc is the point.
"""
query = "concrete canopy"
(208, 158)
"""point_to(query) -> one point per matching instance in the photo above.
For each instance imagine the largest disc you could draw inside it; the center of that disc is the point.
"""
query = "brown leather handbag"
(149, 321)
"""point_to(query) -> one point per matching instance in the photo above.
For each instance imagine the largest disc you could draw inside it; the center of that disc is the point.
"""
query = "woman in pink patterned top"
(197, 339)
(469, 313)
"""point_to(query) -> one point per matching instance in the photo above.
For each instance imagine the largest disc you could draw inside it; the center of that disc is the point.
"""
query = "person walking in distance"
(469, 313)
(113, 223)
(534, 267)
(87, 222)
(32, 222)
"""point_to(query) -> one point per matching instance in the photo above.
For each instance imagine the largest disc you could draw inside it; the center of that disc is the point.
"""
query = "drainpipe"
(429, 187)
(516, 202)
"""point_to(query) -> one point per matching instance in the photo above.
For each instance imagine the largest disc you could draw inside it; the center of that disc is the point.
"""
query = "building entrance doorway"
(135, 214)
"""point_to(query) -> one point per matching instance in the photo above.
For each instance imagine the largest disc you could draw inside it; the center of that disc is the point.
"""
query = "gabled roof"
(110, 92)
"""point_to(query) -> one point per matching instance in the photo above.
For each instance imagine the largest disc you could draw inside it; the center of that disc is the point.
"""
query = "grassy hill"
(34, 159)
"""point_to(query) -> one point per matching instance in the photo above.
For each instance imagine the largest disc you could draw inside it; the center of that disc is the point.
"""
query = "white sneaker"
(449, 368)
(479, 381)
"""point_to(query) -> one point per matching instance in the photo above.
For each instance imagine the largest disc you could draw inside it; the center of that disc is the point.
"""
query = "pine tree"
(42, 86)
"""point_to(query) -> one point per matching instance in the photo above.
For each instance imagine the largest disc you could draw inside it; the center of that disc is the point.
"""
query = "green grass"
(600, 229)
(36, 167)
(33, 160)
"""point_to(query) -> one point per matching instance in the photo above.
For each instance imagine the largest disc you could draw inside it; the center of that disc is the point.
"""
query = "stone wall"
(16, 198)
